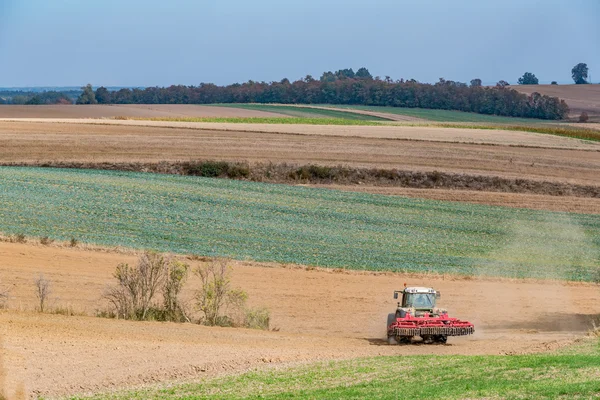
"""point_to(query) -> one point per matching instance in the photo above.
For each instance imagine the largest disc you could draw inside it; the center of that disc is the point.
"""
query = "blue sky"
(159, 42)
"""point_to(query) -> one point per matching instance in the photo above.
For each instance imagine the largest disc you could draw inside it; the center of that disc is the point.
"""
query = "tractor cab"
(417, 298)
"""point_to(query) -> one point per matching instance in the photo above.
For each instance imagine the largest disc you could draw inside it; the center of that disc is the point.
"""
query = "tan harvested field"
(397, 132)
(128, 110)
(321, 315)
(517, 200)
(35, 142)
(578, 97)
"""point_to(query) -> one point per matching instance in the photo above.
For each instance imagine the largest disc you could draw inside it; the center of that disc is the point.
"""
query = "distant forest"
(348, 88)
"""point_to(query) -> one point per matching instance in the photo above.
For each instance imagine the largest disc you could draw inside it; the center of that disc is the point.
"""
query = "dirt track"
(321, 315)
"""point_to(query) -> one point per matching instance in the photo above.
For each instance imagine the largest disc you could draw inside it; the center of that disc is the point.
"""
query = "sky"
(164, 42)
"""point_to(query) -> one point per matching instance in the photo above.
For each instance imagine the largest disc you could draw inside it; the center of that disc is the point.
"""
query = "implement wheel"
(441, 339)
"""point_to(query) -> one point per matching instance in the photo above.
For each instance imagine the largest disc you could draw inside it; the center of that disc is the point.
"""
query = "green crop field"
(287, 224)
(305, 112)
(572, 375)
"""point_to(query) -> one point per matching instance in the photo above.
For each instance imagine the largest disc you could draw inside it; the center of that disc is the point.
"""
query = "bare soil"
(320, 315)
(38, 142)
(128, 110)
(579, 97)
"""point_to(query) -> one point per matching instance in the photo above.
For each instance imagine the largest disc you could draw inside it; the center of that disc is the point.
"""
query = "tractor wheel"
(392, 340)
(441, 339)
(391, 320)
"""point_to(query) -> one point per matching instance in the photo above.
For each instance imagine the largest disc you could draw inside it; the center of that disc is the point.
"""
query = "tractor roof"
(417, 289)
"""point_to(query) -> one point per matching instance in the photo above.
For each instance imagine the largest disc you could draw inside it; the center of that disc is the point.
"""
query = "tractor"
(417, 315)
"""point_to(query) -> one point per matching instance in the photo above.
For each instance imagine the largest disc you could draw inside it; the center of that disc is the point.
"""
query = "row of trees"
(579, 73)
(347, 87)
(42, 98)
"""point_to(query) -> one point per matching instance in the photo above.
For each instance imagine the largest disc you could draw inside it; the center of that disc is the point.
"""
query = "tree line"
(348, 88)
(41, 98)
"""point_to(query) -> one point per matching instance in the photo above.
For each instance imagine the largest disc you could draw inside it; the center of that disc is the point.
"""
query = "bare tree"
(216, 297)
(137, 287)
(42, 291)
(4, 295)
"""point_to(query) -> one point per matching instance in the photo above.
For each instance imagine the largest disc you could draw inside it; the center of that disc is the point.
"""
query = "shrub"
(216, 298)
(4, 296)
(73, 242)
(18, 238)
(554, 83)
(584, 117)
(46, 241)
(175, 276)
(259, 318)
(42, 292)
(238, 171)
(208, 169)
(134, 297)
(312, 172)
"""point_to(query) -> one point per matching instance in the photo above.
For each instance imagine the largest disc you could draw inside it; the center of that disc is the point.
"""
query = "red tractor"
(417, 315)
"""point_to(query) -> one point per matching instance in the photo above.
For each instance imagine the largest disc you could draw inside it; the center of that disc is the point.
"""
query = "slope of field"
(324, 145)
(309, 112)
(579, 97)
(320, 315)
(267, 222)
(518, 200)
(128, 110)
(425, 114)
(330, 110)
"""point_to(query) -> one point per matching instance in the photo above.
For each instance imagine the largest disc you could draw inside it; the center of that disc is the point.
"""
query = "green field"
(287, 224)
(572, 375)
(305, 112)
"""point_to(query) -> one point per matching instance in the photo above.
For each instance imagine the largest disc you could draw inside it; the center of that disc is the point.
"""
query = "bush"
(42, 292)
(312, 172)
(215, 169)
(216, 298)
(584, 117)
(554, 83)
(257, 318)
(46, 241)
(73, 242)
(208, 169)
(18, 238)
(134, 297)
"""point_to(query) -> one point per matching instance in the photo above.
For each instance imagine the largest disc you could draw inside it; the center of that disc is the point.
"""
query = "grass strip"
(540, 376)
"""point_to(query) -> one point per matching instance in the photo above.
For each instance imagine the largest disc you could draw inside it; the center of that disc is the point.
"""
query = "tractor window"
(419, 300)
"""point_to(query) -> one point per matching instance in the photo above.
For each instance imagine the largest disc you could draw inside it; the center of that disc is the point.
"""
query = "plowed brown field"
(578, 97)
(320, 314)
(128, 110)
